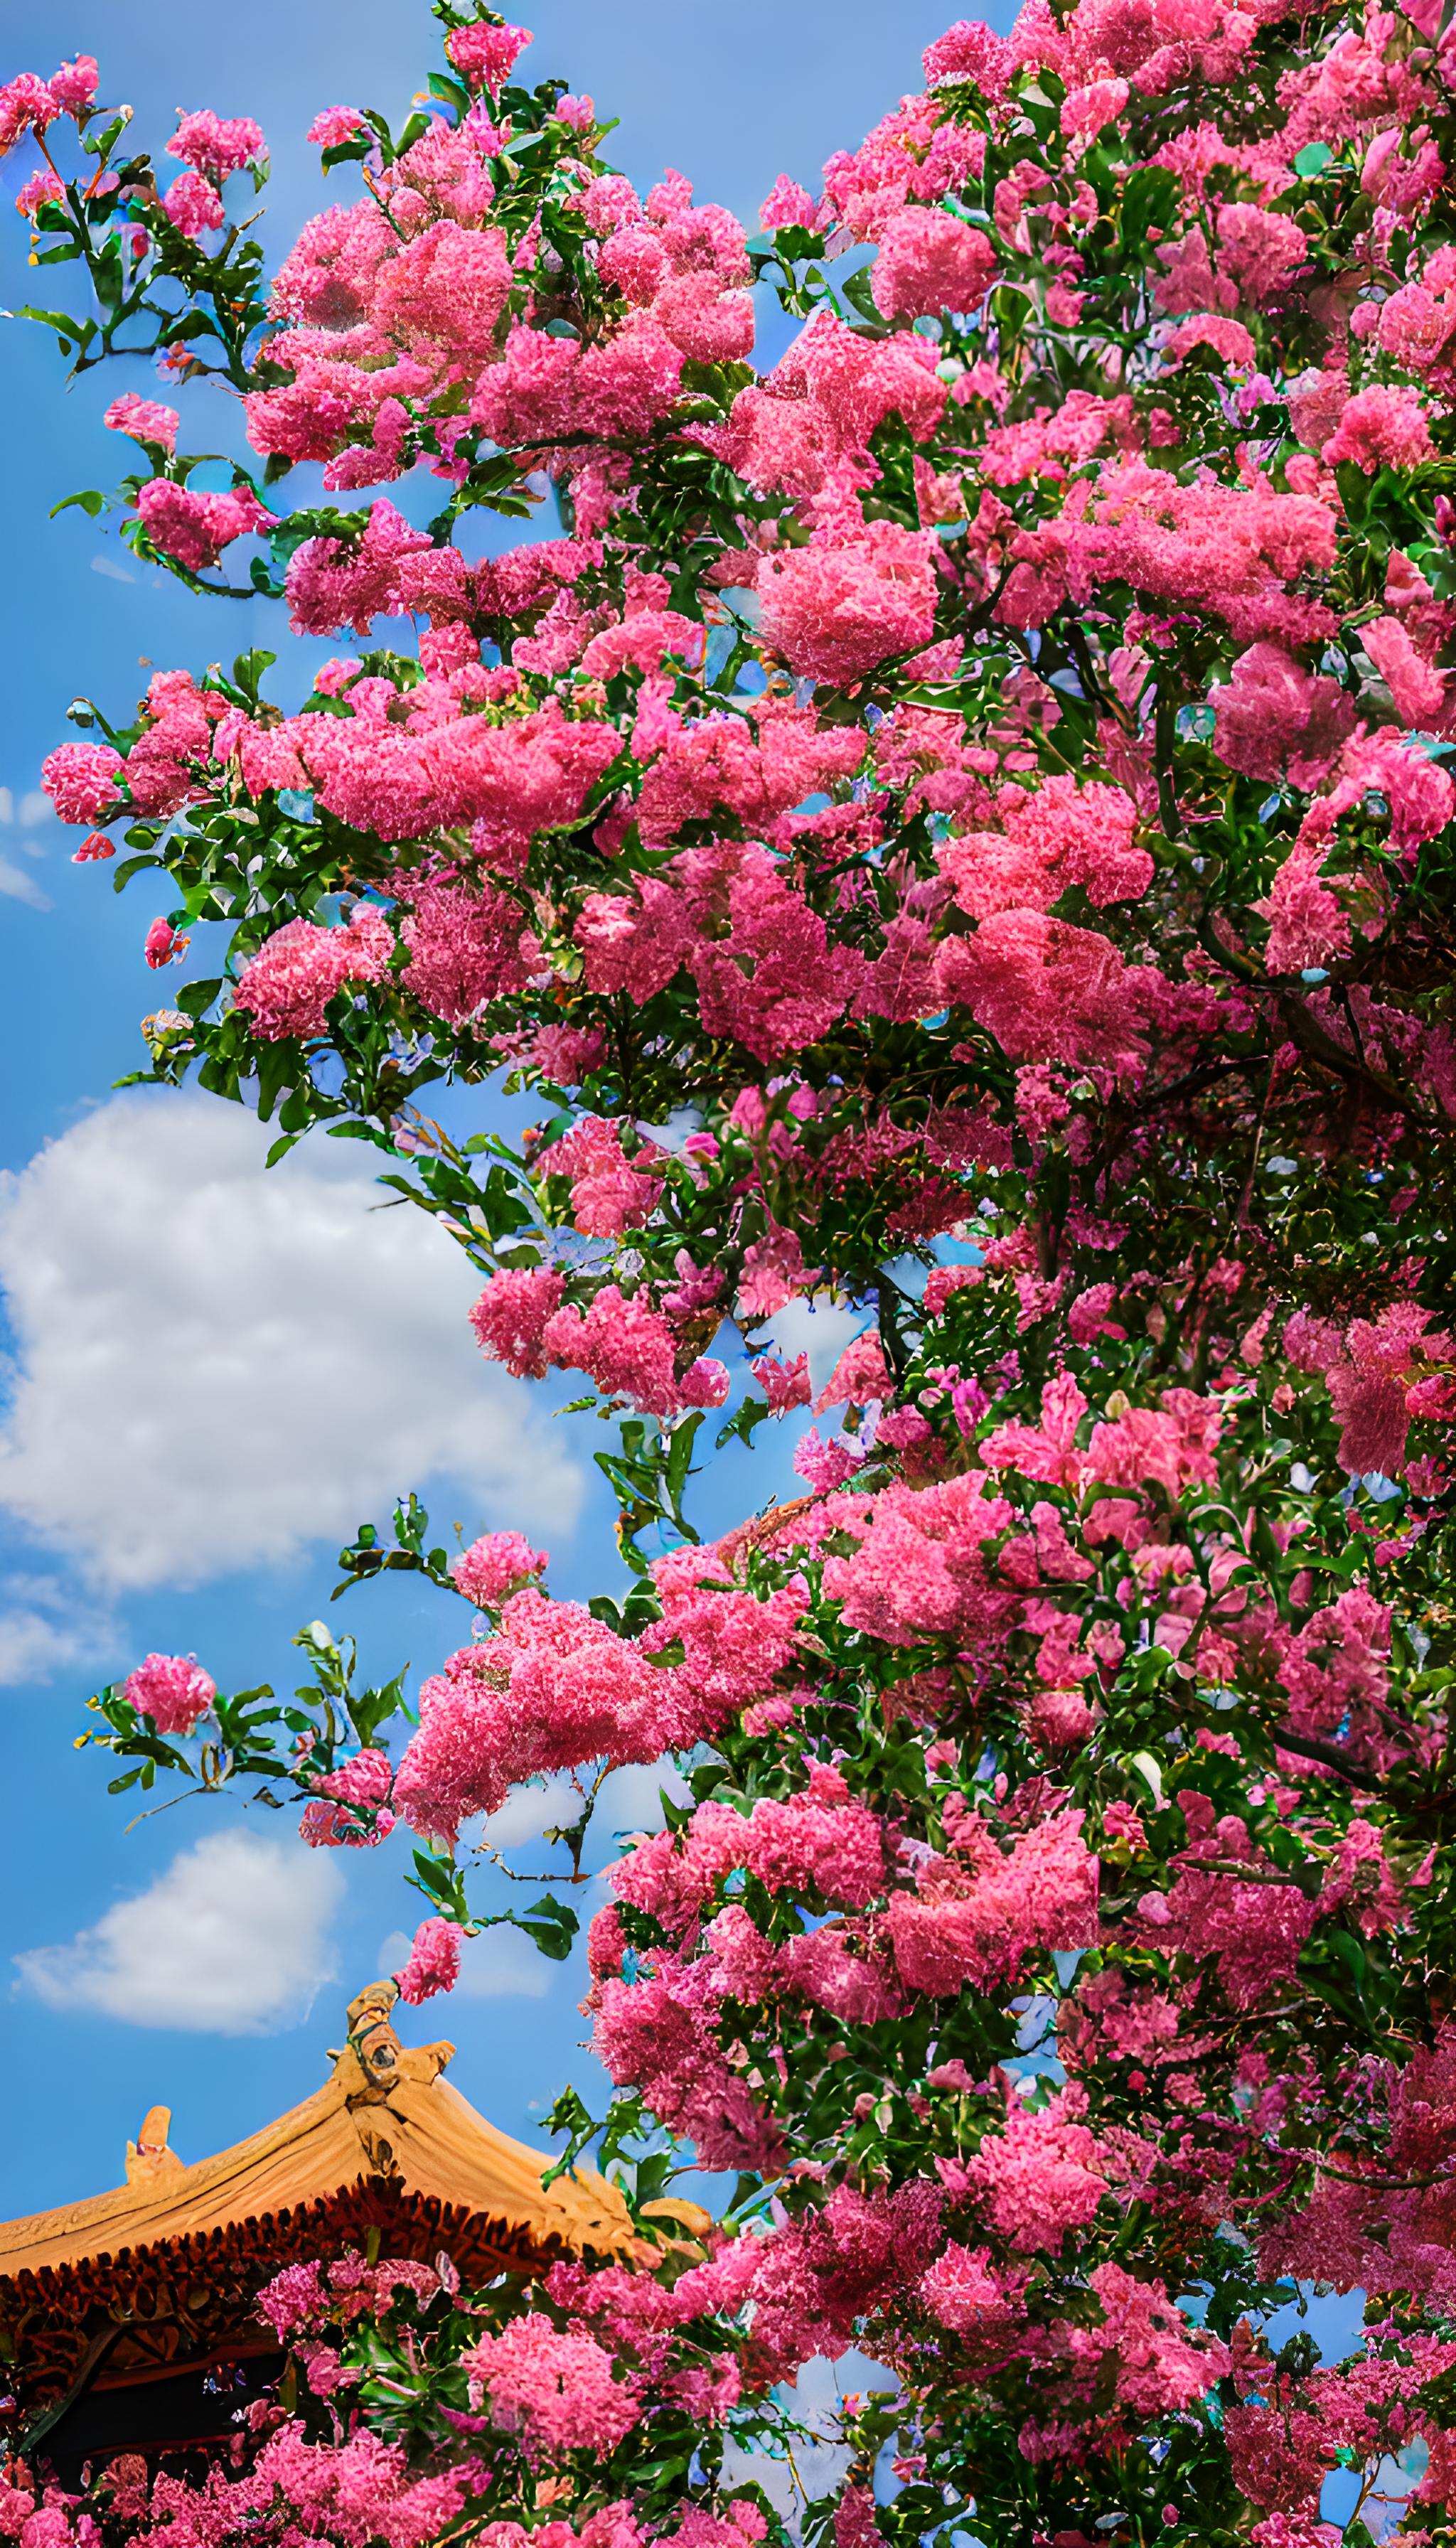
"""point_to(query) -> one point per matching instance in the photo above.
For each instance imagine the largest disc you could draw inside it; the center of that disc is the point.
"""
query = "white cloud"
(15, 884)
(630, 1799)
(230, 1939)
(821, 1331)
(215, 1365)
(18, 886)
(528, 1811)
(499, 1963)
(109, 567)
(46, 1627)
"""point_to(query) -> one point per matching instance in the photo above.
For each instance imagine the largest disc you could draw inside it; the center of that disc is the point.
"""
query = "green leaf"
(857, 289)
(551, 1925)
(1149, 201)
(90, 499)
(450, 92)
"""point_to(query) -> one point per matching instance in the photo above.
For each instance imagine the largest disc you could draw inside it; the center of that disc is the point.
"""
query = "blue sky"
(212, 1377)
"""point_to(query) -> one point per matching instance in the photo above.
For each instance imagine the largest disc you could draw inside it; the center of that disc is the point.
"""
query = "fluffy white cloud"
(821, 1329)
(628, 1799)
(541, 1805)
(215, 1365)
(16, 882)
(230, 1939)
(44, 1628)
(631, 1799)
(19, 886)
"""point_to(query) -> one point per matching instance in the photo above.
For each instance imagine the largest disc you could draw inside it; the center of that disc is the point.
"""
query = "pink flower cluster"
(493, 1568)
(30, 103)
(434, 1962)
(287, 986)
(172, 1690)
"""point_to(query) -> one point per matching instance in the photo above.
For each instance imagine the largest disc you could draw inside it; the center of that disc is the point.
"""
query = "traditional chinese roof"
(169, 2263)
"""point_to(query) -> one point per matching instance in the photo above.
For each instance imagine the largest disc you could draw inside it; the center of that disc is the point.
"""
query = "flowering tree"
(957, 827)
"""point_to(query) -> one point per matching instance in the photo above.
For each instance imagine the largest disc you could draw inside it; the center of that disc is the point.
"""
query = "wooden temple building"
(129, 2322)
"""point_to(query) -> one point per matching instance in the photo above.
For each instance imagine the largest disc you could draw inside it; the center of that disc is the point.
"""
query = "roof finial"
(374, 2061)
(372, 2004)
(148, 2156)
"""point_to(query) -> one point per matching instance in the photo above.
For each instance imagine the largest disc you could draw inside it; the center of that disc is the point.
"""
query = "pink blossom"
(859, 1376)
(511, 1317)
(518, 780)
(656, 2034)
(164, 945)
(44, 188)
(1367, 1372)
(1161, 2362)
(434, 1962)
(331, 585)
(624, 1347)
(1226, 336)
(1043, 2176)
(286, 988)
(73, 86)
(144, 417)
(552, 1689)
(486, 56)
(610, 1192)
(788, 205)
(1272, 716)
(217, 146)
(441, 296)
(1173, 1443)
(968, 2295)
(786, 1385)
(468, 944)
(774, 982)
(705, 1383)
(80, 780)
(559, 2387)
(773, 1274)
(1378, 428)
(494, 1567)
(193, 205)
(1307, 922)
(1054, 837)
(324, 1825)
(1049, 991)
(195, 528)
(928, 262)
(1086, 110)
(293, 2298)
(547, 387)
(970, 51)
(172, 1690)
(837, 610)
(980, 1917)
(365, 1780)
(1416, 688)
(26, 105)
(336, 126)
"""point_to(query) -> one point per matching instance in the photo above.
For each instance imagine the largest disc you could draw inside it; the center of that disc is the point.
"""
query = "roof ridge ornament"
(373, 2061)
(148, 2158)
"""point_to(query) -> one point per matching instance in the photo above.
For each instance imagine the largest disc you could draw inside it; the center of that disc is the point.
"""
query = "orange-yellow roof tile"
(385, 2124)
